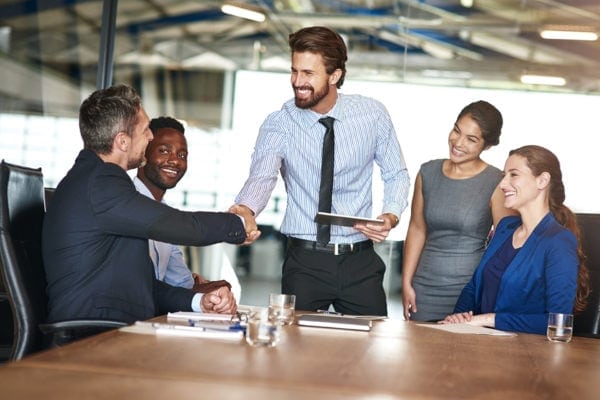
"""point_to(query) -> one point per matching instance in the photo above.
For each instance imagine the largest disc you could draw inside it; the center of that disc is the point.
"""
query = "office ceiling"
(490, 44)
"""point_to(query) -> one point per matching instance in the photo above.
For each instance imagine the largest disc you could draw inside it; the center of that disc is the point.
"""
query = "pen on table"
(189, 328)
(158, 325)
(233, 327)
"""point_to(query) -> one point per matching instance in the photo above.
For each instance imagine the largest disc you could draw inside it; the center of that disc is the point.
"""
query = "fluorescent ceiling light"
(434, 73)
(438, 50)
(543, 80)
(569, 35)
(243, 13)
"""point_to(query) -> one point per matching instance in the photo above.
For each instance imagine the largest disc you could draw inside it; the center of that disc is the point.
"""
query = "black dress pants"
(352, 283)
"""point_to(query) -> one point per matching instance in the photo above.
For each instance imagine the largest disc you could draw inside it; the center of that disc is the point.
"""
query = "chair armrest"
(62, 332)
(52, 327)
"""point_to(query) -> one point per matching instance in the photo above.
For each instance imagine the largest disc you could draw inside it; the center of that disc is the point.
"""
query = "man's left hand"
(378, 233)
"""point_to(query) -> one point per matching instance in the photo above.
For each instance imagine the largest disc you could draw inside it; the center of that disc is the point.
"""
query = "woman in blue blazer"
(534, 264)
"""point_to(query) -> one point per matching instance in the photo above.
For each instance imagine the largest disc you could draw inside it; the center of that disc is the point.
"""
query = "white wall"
(423, 116)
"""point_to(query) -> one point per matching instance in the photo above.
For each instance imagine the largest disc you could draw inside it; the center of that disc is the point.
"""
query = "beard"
(153, 174)
(137, 162)
(313, 100)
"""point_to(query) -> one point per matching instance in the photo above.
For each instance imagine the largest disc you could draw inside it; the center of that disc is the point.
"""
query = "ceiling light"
(438, 50)
(569, 35)
(243, 13)
(543, 80)
(434, 73)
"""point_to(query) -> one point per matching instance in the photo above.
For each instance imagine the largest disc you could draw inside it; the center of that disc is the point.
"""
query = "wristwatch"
(395, 219)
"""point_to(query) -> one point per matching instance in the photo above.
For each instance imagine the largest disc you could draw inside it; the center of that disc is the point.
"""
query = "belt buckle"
(336, 248)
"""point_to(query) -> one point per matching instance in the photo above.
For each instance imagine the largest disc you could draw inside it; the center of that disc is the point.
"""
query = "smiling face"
(313, 87)
(166, 161)
(520, 187)
(465, 141)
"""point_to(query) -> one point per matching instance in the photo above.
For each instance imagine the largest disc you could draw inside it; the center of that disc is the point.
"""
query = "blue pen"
(217, 326)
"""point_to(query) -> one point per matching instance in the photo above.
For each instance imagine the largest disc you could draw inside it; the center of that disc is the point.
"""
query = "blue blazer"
(541, 278)
(95, 245)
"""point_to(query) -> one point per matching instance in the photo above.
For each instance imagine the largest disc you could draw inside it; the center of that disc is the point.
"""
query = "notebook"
(335, 321)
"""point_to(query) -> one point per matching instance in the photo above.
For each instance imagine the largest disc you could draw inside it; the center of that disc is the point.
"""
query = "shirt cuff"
(196, 302)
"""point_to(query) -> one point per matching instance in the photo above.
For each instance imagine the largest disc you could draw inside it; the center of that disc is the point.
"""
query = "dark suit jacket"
(95, 245)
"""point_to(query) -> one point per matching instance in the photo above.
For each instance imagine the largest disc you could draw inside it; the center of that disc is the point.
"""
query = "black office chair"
(21, 268)
(587, 323)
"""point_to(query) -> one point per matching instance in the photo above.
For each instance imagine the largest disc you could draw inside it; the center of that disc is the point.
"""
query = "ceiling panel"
(491, 43)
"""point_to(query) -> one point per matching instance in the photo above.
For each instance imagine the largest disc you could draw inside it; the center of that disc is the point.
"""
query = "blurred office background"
(223, 74)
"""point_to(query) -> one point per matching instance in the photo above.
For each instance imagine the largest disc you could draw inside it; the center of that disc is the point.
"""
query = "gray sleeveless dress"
(458, 219)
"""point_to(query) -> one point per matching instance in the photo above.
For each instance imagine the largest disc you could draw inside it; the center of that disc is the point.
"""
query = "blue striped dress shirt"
(290, 142)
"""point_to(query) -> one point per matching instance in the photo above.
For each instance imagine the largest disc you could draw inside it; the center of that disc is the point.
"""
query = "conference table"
(395, 360)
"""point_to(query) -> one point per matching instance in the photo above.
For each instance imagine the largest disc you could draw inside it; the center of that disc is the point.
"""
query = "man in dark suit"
(96, 230)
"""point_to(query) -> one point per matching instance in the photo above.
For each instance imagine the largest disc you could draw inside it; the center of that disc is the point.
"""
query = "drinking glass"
(560, 327)
(281, 308)
(261, 330)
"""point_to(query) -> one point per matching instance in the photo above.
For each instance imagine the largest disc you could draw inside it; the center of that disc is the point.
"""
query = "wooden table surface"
(397, 359)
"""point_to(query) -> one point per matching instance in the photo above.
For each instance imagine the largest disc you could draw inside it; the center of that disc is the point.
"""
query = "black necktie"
(326, 187)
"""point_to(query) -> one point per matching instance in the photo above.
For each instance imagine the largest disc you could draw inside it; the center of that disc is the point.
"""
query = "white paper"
(153, 328)
(468, 329)
(198, 316)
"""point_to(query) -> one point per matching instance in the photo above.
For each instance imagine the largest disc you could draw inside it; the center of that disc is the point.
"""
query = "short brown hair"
(105, 113)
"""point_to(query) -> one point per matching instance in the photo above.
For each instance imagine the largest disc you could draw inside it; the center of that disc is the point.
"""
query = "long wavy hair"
(540, 159)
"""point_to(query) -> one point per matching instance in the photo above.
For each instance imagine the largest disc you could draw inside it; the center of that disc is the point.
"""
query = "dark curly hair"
(166, 122)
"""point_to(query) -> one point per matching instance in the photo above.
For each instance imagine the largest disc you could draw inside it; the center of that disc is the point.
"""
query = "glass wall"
(185, 59)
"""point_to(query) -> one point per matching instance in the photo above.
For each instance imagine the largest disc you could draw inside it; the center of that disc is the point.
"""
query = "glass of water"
(281, 308)
(261, 330)
(560, 327)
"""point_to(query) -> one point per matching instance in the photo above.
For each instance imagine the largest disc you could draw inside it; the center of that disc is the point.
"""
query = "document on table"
(198, 316)
(468, 329)
(213, 317)
(157, 328)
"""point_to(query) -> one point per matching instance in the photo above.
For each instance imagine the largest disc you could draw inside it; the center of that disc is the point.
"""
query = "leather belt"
(333, 248)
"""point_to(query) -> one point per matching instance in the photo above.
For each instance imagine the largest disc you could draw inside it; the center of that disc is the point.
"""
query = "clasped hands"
(220, 301)
(488, 319)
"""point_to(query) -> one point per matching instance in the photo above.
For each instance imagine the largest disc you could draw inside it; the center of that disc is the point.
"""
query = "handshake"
(252, 232)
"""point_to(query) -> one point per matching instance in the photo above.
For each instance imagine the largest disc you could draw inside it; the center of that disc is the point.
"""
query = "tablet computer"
(344, 220)
(335, 321)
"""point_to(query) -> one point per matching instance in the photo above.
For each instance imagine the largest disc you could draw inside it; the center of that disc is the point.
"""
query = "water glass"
(560, 327)
(281, 308)
(261, 330)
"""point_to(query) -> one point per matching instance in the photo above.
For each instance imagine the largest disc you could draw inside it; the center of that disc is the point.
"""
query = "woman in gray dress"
(455, 204)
